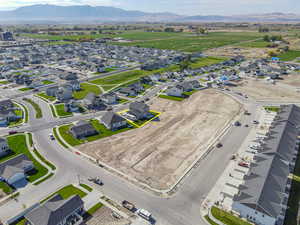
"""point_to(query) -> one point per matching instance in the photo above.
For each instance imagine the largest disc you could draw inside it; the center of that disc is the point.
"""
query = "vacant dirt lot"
(158, 153)
(230, 51)
(261, 89)
(293, 80)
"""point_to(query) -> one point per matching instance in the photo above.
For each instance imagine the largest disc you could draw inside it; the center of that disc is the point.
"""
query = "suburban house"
(4, 148)
(138, 87)
(113, 121)
(263, 197)
(68, 76)
(176, 91)
(128, 91)
(64, 93)
(51, 91)
(15, 169)
(75, 84)
(91, 101)
(83, 129)
(7, 112)
(140, 110)
(72, 106)
(109, 98)
(57, 211)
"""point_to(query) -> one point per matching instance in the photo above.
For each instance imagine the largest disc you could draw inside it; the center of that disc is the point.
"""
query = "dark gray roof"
(265, 184)
(139, 106)
(53, 211)
(82, 127)
(111, 117)
(14, 165)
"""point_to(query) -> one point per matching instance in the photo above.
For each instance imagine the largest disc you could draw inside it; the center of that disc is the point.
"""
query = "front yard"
(86, 88)
(227, 218)
(103, 132)
(43, 95)
(17, 143)
(60, 111)
(174, 98)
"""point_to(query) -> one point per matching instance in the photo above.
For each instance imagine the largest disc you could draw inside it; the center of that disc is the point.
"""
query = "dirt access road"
(159, 153)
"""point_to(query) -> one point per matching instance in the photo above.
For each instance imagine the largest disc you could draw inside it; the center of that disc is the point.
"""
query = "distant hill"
(268, 17)
(81, 13)
(86, 13)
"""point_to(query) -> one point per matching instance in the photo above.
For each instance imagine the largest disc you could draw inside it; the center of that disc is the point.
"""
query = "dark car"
(12, 132)
(219, 145)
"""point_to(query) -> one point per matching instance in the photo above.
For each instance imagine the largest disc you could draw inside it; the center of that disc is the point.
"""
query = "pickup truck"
(128, 205)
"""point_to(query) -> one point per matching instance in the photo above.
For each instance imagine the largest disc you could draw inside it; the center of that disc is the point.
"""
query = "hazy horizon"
(182, 7)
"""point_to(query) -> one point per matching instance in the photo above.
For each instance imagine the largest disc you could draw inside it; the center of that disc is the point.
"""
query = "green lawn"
(92, 210)
(5, 188)
(210, 221)
(119, 78)
(66, 192)
(86, 187)
(289, 55)
(103, 132)
(60, 110)
(46, 82)
(272, 108)
(25, 89)
(171, 97)
(85, 90)
(38, 110)
(255, 44)
(201, 62)
(189, 93)
(4, 82)
(58, 139)
(17, 143)
(44, 95)
(226, 217)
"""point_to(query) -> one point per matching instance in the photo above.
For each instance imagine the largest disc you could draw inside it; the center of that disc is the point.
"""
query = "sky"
(183, 7)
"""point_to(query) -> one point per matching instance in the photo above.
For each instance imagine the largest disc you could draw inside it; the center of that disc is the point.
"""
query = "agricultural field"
(185, 42)
(289, 55)
(159, 152)
(193, 43)
(254, 44)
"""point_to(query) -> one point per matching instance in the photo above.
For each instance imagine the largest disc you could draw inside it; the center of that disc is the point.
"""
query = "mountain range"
(86, 13)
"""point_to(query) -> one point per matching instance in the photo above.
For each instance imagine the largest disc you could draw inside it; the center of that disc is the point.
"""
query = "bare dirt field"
(159, 153)
(263, 90)
(292, 79)
(230, 51)
(103, 216)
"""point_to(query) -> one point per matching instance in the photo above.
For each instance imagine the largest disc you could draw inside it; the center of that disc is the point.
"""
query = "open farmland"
(195, 43)
(261, 89)
(159, 153)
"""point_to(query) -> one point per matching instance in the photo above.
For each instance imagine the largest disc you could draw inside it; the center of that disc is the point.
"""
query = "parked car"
(144, 214)
(52, 137)
(219, 145)
(128, 205)
(243, 164)
(255, 122)
(96, 180)
(12, 132)
(237, 123)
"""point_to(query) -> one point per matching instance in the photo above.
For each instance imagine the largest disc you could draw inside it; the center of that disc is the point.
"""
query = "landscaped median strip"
(38, 110)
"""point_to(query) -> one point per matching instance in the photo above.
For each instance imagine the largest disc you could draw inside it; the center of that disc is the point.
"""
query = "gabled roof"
(111, 117)
(265, 184)
(53, 211)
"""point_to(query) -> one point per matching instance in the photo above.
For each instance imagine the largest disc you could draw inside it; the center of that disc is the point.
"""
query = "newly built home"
(113, 121)
(263, 197)
(14, 170)
(83, 129)
(140, 110)
(57, 211)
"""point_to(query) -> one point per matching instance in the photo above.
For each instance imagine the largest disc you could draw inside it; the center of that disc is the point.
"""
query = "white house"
(175, 91)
